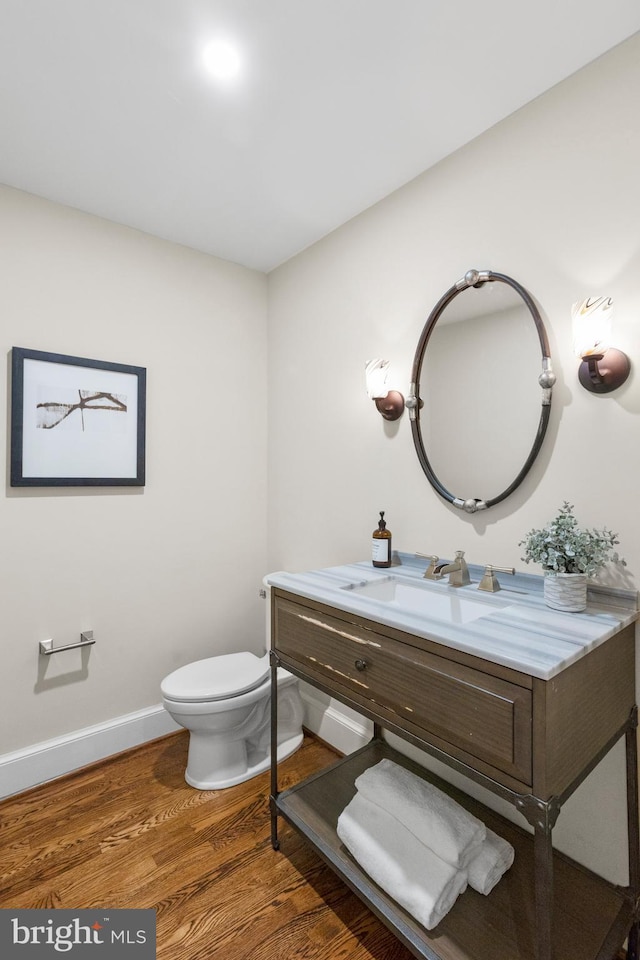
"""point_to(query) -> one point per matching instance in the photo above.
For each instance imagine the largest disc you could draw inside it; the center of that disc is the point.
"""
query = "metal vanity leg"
(543, 857)
(542, 816)
(633, 948)
(632, 944)
(273, 660)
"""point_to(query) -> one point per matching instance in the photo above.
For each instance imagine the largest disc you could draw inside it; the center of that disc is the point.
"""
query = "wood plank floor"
(129, 832)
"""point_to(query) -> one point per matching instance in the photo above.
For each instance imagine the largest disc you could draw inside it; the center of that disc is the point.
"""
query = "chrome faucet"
(457, 570)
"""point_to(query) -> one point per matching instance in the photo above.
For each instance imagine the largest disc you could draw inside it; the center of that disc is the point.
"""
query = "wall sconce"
(390, 403)
(603, 368)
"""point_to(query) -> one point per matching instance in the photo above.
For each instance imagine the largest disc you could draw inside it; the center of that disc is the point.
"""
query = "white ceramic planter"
(566, 591)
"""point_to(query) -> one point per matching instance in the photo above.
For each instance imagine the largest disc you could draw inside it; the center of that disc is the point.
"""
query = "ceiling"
(105, 105)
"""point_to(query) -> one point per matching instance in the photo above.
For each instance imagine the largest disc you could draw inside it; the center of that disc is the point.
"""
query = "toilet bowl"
(224, 702)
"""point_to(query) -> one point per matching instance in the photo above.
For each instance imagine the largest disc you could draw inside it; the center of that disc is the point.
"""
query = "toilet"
(225, 704)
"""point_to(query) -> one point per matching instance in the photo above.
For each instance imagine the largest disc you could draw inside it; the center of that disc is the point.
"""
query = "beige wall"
(163, 574)
(170, 573)
(550, 196)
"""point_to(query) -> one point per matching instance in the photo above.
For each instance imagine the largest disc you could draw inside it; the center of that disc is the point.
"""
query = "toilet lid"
(216, 678)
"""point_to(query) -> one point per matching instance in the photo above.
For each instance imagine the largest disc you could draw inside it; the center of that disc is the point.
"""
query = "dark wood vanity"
(530, 741)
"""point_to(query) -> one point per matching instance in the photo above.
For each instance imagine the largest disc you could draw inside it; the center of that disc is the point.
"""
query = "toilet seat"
(216, 678)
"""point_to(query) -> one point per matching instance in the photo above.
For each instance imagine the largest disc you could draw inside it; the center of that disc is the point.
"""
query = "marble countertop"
(522, 633)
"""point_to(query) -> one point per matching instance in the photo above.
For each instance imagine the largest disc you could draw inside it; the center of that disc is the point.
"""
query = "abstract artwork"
(76, 422)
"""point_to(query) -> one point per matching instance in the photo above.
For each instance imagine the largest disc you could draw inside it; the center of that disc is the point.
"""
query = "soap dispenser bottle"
(381, 544)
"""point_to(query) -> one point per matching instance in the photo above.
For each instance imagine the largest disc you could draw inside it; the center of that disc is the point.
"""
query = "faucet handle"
(430, 572)
(489, 581)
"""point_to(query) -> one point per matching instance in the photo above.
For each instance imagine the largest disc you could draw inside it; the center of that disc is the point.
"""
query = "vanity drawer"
(453, 705)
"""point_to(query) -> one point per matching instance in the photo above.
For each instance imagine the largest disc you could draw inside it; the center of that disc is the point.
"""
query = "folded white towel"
(492, 860)
(421, 882)
(434, 818)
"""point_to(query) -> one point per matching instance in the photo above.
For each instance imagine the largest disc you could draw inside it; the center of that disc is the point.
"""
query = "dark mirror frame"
(477, 278)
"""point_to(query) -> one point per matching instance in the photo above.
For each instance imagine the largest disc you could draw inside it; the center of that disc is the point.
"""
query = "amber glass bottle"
(381, 544)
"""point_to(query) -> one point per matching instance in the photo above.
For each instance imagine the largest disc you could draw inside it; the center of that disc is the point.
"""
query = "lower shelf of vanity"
(591, 916)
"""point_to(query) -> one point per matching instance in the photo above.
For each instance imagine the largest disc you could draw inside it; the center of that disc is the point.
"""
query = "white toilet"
(225, 704)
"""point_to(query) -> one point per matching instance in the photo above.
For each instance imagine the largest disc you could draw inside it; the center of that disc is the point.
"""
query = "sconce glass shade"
(376, 375)
(390, 403)
(603, 368)
(592, 326)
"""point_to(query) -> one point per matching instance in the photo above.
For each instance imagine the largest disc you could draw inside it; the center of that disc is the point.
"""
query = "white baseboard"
(45, 761)
(334, 723)
(26, 768)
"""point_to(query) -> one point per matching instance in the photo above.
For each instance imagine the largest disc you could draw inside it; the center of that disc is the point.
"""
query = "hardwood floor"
(129, 832)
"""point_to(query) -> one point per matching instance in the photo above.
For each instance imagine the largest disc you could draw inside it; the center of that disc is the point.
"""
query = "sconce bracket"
(392, 406)
(602, 374)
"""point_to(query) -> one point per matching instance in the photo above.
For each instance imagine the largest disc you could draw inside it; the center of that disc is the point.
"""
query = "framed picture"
(76, 422)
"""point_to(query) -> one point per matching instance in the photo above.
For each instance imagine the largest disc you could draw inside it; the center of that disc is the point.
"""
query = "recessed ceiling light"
(222, 60)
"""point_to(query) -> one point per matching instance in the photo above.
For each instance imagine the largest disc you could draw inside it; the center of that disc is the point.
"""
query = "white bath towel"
(434, 818)
(492, 860)
(413, 875)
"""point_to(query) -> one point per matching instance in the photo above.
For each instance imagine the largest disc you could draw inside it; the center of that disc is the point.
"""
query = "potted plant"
(569, 556)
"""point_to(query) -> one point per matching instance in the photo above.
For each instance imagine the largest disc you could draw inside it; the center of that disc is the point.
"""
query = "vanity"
(521, 699)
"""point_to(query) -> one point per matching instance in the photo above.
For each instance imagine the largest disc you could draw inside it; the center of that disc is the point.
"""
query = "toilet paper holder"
(46, 647)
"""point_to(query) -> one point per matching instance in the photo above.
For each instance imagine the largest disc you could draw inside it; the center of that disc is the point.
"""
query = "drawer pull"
(361, 665)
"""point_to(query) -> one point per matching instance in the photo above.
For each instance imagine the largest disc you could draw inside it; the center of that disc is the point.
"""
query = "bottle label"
(380, 550)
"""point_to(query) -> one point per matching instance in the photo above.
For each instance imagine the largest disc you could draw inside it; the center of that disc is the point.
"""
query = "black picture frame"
(60, 434)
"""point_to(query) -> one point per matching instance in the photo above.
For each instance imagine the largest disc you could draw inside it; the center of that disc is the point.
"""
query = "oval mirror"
(479, 402)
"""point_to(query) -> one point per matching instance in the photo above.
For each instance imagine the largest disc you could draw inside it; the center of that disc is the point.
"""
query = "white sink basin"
(441, 602)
